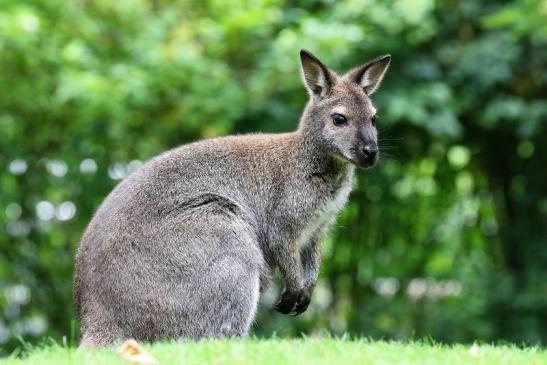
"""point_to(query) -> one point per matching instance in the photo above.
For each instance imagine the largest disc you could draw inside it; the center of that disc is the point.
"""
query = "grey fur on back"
(183, 246)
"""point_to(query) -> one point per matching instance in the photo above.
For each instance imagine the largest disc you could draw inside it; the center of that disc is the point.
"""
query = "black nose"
(370, 152)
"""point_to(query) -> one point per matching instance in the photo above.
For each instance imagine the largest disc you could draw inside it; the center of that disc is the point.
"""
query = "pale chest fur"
(324, 214)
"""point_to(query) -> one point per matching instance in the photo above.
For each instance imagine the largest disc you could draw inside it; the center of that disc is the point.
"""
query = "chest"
(328, 204)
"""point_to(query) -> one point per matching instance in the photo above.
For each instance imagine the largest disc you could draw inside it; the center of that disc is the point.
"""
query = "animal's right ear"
(316, 76)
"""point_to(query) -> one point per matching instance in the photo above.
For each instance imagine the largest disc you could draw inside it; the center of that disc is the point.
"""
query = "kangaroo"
(183, 247)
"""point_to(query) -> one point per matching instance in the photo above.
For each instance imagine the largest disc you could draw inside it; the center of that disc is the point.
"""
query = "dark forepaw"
(287, 302)
(302, 302)
(293, 302)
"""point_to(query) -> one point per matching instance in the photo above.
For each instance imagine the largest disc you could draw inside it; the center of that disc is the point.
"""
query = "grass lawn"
(302, 351)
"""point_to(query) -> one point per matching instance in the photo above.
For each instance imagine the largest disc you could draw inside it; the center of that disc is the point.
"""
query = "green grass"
(302, 351)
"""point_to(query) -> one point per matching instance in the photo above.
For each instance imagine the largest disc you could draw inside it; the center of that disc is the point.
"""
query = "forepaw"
(293, 302)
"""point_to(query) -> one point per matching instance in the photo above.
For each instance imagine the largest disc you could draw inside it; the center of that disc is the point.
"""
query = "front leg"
(311, 261)
(296, 299)
(289, 263)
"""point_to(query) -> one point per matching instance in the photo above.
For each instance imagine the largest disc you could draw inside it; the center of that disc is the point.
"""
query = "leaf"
(131, 351)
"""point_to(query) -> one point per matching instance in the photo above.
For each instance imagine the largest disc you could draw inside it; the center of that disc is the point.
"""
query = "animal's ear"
(316, 76)
(370, 75)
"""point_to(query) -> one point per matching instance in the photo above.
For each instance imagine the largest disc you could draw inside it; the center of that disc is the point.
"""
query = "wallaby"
(184, 245)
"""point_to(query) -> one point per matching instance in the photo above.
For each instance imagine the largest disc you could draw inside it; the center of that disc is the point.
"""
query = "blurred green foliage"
(446, 238)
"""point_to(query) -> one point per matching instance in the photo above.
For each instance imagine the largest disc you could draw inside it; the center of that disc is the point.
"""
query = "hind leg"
(97, 330)
(225, 305)
(183, 279)
(220, 301)
(220, 296)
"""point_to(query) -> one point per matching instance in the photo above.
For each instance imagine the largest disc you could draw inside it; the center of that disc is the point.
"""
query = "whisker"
(387, 156)
(390, 139)
(388, 147)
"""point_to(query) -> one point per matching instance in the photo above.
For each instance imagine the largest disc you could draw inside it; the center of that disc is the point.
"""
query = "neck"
(319, 160)
(306, 120)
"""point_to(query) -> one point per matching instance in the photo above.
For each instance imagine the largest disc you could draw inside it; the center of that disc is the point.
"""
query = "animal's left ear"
(369, 75)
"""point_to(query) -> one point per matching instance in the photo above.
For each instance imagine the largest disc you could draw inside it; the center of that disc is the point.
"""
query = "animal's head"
(340, 114)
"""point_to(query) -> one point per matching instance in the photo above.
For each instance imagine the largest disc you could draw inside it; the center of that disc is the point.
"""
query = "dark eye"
(374, 119)
(339, 120)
